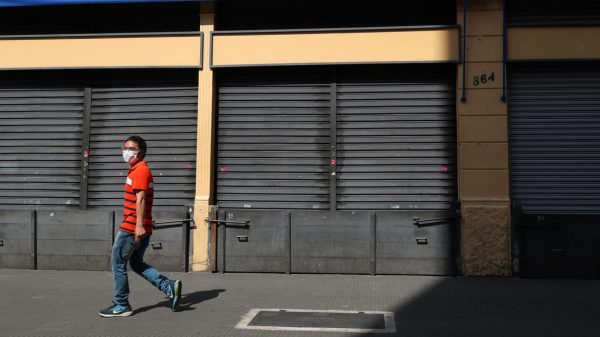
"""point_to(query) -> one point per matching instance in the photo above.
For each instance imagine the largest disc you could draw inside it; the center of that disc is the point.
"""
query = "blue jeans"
(127, 249)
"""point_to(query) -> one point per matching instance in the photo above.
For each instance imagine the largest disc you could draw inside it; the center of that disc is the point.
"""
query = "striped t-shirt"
(139, 178)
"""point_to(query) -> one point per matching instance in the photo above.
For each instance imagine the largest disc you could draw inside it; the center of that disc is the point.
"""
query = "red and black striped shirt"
(139, 178)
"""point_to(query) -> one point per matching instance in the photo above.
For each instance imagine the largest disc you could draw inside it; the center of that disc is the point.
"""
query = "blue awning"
(14, 3)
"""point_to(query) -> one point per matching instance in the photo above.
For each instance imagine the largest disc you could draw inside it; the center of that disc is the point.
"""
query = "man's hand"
(139, 233)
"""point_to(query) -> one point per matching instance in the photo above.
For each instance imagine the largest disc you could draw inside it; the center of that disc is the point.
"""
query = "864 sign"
(483, 79)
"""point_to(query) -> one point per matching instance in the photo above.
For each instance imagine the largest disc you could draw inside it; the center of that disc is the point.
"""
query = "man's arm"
(140, 208)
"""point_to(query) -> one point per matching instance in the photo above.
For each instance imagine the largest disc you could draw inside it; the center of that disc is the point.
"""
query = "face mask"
(129, 154)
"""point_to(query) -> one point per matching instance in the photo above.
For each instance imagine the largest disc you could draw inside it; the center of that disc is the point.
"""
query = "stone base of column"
(486, 239)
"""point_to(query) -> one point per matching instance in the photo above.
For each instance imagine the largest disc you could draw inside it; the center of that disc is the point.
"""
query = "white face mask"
(129, 154)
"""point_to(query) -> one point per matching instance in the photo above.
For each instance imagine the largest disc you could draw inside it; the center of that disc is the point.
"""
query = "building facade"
(431, 138)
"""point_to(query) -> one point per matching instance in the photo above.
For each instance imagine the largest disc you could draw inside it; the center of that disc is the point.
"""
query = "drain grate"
(318, 320)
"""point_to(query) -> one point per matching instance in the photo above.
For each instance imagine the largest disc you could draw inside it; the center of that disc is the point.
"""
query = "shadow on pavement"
(500, 307)
(188, 301)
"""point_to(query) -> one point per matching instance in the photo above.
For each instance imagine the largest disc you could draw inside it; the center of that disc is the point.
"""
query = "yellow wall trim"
(553, 43)
(100, 52)
(335, 47)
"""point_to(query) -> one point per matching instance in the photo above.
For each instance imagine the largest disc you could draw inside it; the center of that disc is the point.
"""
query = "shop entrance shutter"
(273, 150)
(42, 127)
(555, 167)
(273, 136)
(552, 12)
(391, 134)
(163, 110)
(396, 140)
(555, 137)
(40, 141)
(396, 137)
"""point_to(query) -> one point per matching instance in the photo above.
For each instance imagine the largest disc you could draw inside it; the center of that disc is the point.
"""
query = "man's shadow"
(186, 302)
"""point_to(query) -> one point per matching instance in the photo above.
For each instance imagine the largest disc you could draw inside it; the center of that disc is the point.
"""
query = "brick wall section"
(483, 145)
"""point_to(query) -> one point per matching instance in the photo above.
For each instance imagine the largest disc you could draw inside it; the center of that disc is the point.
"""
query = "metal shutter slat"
(266, 14)
(555, 140)
(40, 143)
(396, 140)
(553, 12)
(163, 111)
(273, 136)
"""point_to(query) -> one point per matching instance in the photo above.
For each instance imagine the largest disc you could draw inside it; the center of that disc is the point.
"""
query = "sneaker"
(175, 293)
(117, 310)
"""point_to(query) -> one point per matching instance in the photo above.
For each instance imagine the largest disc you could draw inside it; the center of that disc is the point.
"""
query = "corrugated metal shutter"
(382, 13)
(395, 134)
(40, 141)
(100, 18)
(555, 137)
(273, 139)
(311, 14)
(162, 109)
(396, 138)
(268, 14)
(389, 130)
(553, 12)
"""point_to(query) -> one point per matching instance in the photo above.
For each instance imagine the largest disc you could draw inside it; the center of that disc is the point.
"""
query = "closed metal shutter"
(163, 110)
(553, 12)
(311, 14)
(273, 139)
(40, 141)
(555, 137)
(396, 138)
(388, 134)
(100, 18)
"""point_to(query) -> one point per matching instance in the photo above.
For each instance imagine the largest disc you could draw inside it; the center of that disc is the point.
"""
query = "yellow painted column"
(483, 146)
(205, 138)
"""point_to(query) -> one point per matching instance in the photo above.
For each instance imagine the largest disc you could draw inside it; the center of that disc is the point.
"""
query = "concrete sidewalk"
(66, 303)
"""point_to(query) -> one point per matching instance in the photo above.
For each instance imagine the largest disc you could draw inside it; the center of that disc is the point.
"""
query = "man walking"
(134, 233)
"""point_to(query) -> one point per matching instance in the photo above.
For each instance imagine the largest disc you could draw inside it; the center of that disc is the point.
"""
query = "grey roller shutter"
(388, 134)
(273, 140)
(163, 110)
(553, 12)
(555, 137)
(40, 142)
(311, 14)
(396, 138)
(100, 18)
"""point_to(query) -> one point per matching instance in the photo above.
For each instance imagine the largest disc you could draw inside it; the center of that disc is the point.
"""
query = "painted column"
(205, 139)
(483, 146)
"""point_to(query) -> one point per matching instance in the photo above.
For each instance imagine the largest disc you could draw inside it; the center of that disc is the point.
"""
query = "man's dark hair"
(141, 144)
